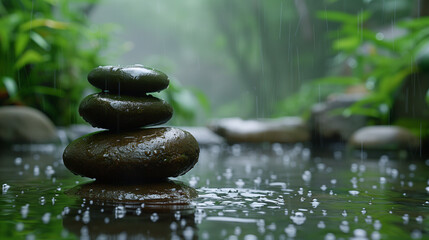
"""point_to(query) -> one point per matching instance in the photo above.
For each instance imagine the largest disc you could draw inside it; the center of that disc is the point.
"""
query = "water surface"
(263, 191)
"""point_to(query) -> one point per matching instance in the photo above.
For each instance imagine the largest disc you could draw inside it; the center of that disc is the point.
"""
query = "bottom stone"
(159, 196)
(139, 155)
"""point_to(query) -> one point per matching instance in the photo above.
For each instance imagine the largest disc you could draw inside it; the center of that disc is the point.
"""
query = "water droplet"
(120, 211)
(19, 227)
(359, 233)
(375, 236)
(193, 181)
(419, 219)
(188, 233)
(46, 218)
(344, 227)
(42, 200)
(329, 236)
(315, 203)
(298, 218)
(290, 231)
(154, 217)
(377, 225)
(173, 226)
(36, 171)
(416, 234)
(239, 183)
(354, 192)
(177, 215)
(18, 161)
(24, 210)
(406, 218)
(85, 217)
(306, 176)
(5, 187)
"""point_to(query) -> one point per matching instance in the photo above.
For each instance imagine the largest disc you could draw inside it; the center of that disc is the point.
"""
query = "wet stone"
(132, 156)
(135, 79)
(325, 124)
(169, 195)
(384, 138)
(19, 124)
(281, 130)
(110, 111)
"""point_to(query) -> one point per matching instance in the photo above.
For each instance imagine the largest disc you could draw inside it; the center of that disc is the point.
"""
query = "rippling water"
(267, 191)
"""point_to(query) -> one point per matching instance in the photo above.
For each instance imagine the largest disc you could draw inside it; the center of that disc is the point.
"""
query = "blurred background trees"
(253, 59)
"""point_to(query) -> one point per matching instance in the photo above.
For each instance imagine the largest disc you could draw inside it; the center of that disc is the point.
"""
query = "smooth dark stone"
(110, 111)
(140, 155)
(167, 196)
(134, 79)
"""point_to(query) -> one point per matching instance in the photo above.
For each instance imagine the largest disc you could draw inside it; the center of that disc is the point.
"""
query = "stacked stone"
(128, 151)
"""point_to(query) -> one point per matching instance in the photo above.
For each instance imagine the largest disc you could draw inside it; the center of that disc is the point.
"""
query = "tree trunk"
(423, 8)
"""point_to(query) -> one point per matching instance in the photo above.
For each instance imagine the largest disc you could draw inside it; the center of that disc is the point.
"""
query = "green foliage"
(311, 93)
(46, 49)
(186, 102)
(372, 60)
(382, 64)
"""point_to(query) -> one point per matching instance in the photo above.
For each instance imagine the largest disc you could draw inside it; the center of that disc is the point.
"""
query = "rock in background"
(384, 138)
(280, 130)
(328, 125)
(20, 124)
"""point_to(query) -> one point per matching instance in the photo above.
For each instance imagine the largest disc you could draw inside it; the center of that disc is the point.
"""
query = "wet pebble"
(134, 79)
(110, 111)
(153, 153)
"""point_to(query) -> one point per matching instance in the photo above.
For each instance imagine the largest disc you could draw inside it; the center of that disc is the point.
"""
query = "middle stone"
(109, 111)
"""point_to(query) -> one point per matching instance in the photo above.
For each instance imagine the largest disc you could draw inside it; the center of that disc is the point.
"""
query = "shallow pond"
(267, 191)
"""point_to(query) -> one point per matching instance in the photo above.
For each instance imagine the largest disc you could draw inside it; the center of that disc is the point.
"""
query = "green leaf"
(367, 106)
(21, 43)
(48, 91)
(346, 44)
(40, 41)
(338, 80)
(390, 83)
(202, 99)
(42, 22)
(30, 56)
(418, 23)
(7, 25)
(361, 111)
(336, 16)
(343, 17)
(10, 85)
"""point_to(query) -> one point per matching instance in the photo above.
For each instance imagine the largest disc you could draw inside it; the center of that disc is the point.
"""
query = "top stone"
(135, 79)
